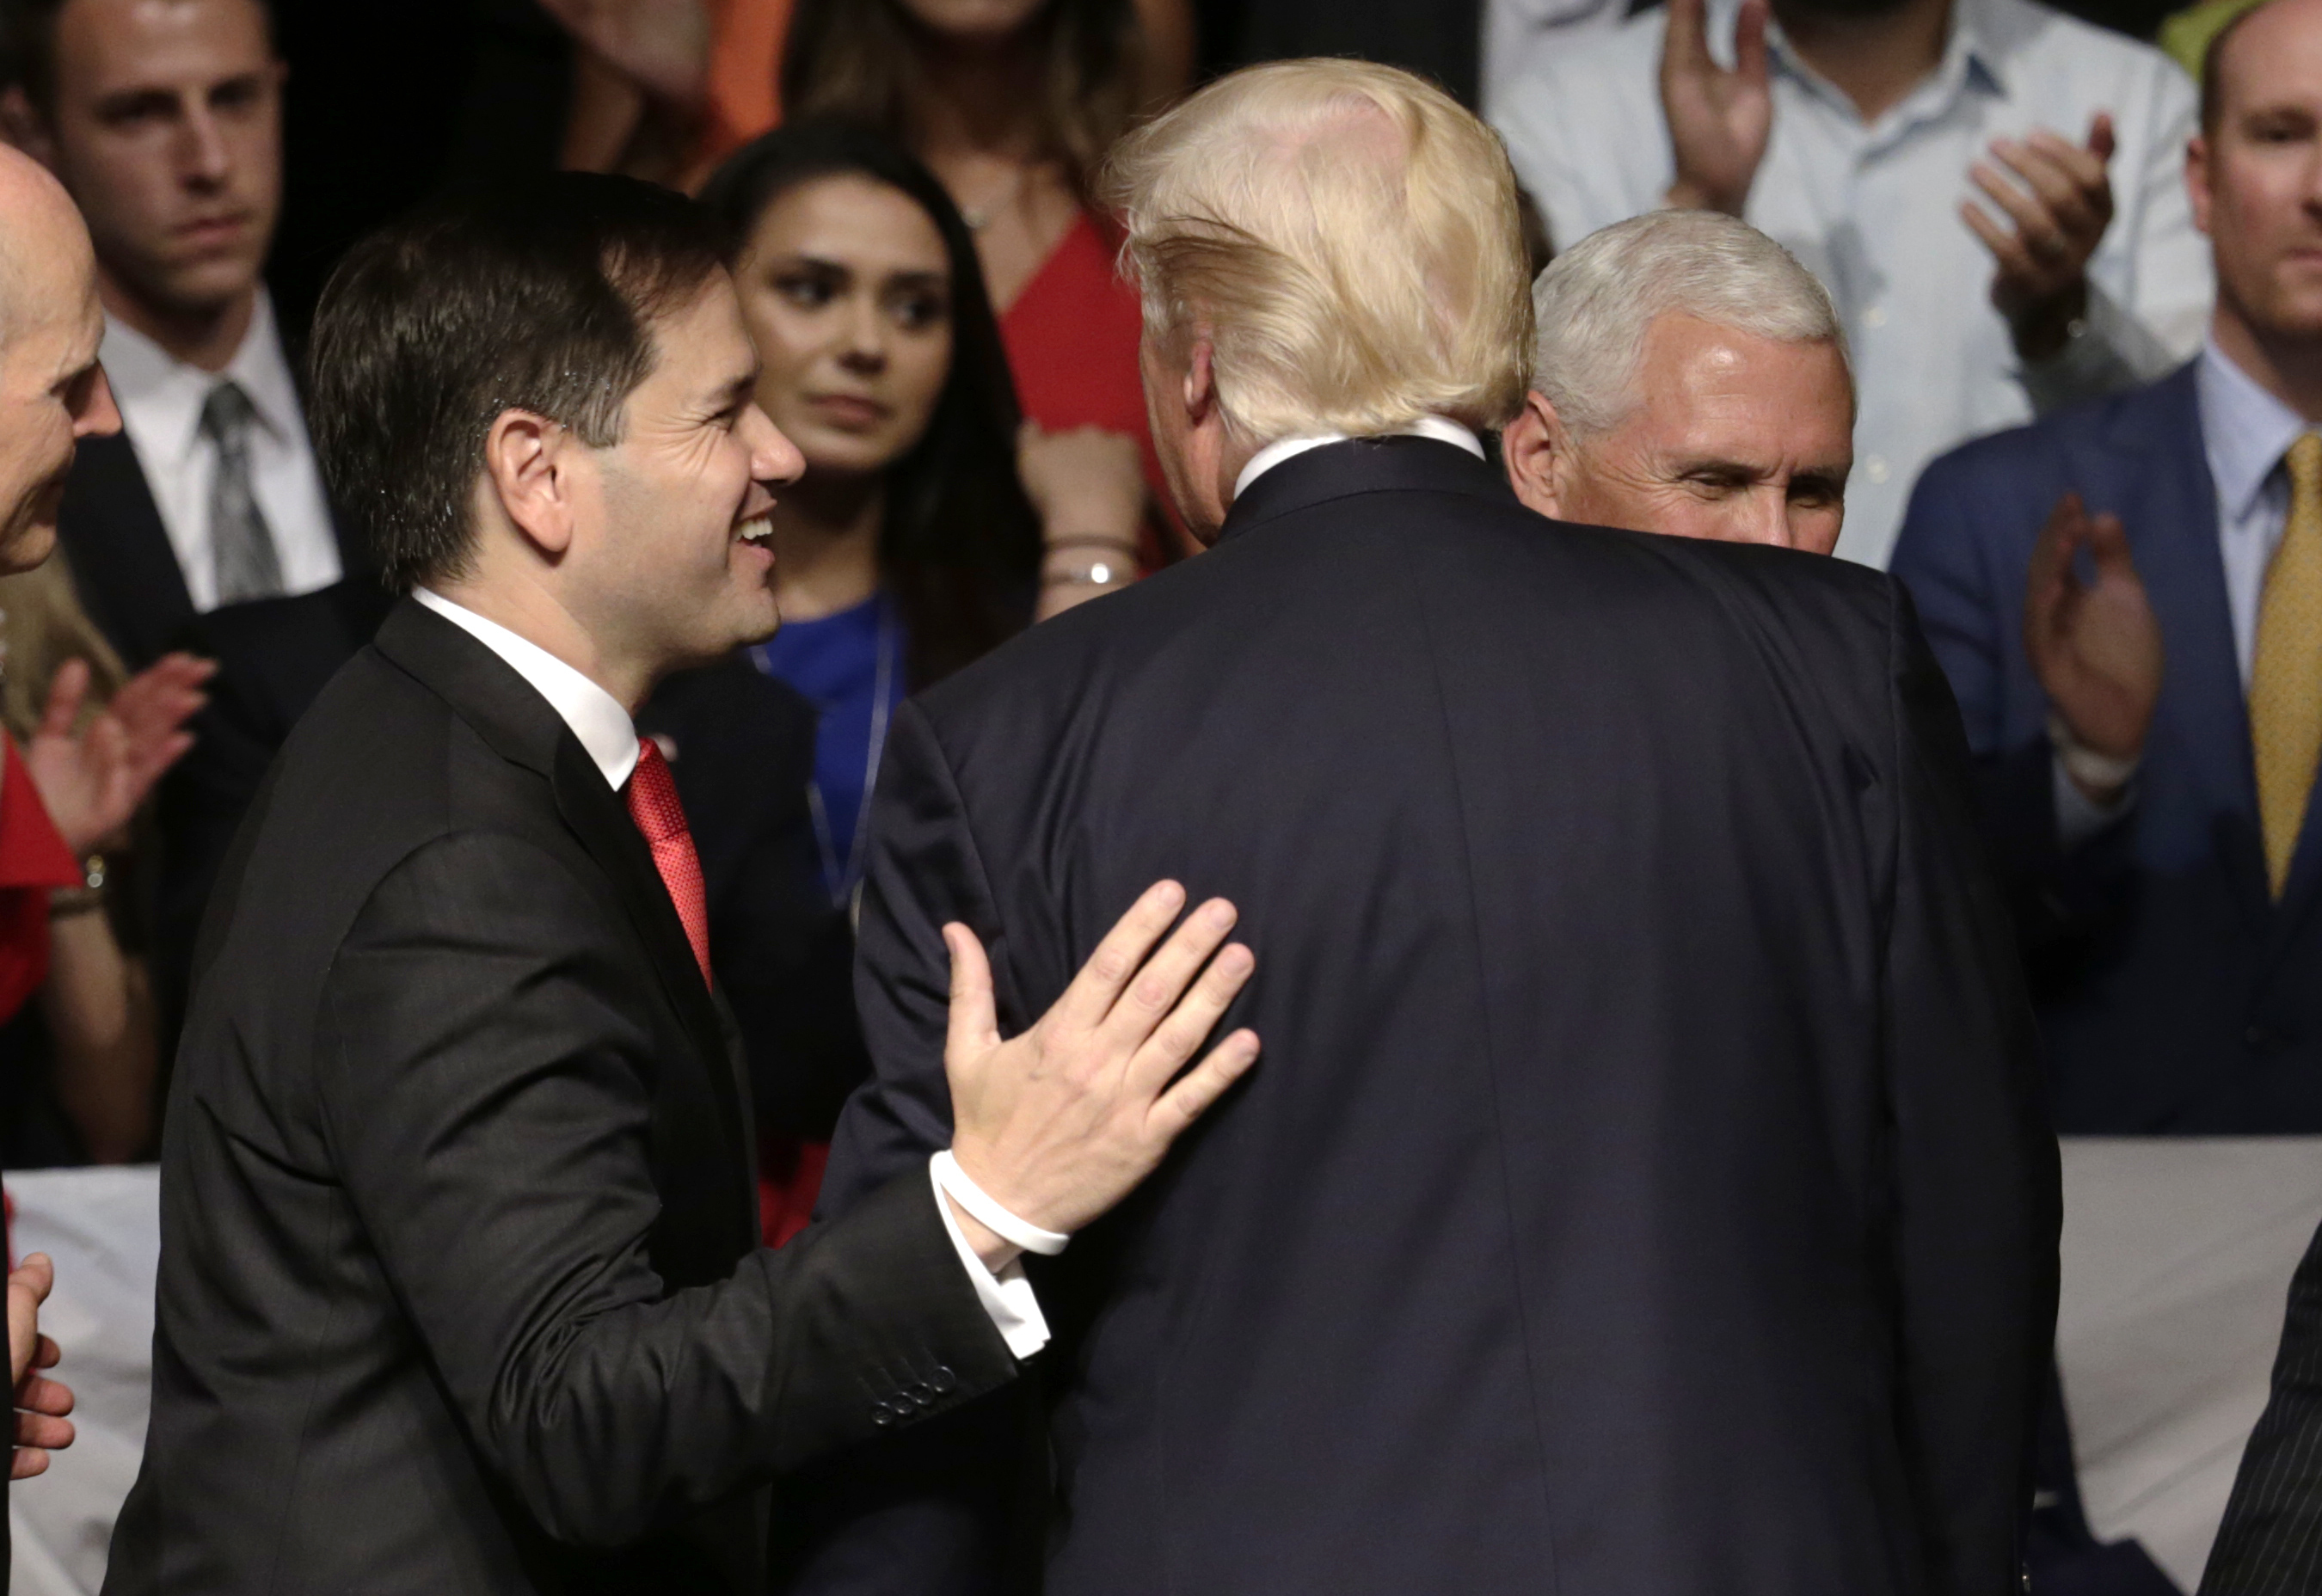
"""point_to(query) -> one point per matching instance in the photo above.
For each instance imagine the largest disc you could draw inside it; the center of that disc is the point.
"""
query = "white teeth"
(760, 532)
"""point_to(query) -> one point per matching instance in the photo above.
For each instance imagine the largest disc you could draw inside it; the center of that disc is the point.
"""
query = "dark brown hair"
(28, 48)
(959, 547)
(538, 296)
(857, 60)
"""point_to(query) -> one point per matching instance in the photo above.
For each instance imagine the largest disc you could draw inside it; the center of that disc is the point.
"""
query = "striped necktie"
(240, 548)
(2285, 699)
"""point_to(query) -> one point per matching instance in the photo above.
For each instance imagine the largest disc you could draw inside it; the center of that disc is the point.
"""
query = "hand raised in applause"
(1061, 1122)
(662, 46)
(92, 778)
(2095, 647)
(2059, 195)
(1718, 120)
(38, 1404)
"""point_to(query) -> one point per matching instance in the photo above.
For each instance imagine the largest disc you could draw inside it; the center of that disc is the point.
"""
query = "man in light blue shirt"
(2095, 586)
(1854, 133)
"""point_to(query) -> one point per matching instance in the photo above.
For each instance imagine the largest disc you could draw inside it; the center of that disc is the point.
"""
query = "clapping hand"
(91, 780)
(1061, 1122)
(2096, 648)
(1718, 120)
(2060, 198)
(38, 1404)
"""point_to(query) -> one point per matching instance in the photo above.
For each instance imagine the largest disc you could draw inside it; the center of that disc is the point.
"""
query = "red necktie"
(653, 806)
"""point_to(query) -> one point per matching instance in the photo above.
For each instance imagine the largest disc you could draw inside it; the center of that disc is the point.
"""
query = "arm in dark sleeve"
(2270, 1544)
(1975, 1184)
(485, 1081)
(924, 872)
(931, 1511)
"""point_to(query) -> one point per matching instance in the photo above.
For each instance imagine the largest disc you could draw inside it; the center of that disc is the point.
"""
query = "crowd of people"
(574, 737)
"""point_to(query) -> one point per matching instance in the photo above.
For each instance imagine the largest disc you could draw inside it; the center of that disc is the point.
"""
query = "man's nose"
(774, 458)
(99, 416)
(1769, 515)
(205, 160)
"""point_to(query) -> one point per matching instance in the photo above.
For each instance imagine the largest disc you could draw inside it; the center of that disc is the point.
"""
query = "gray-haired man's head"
(1690, 377)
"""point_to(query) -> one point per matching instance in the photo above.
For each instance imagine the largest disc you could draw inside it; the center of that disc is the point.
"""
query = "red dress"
(33, 859)
(1072, 339)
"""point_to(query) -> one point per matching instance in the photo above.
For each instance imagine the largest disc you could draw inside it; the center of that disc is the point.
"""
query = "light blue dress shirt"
(1871, 210)
(2246, 431)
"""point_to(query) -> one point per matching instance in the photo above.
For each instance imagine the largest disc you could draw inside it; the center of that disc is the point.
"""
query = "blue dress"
(850, 667)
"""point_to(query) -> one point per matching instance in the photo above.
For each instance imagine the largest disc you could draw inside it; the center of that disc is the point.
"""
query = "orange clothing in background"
(745, 72)
(33, 860)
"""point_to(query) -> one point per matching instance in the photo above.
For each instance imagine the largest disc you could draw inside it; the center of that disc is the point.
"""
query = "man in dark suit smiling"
(460, 1288)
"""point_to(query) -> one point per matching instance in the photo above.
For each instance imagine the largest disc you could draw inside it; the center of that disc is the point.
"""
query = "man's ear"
(2196, 178)
(529, 472)
(22, 126)
(1200, 382)
(1536, 452)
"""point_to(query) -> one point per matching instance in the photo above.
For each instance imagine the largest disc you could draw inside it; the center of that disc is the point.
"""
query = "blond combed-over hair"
(1345, 235)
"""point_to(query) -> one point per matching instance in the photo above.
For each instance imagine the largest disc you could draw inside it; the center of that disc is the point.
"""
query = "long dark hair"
(959, 545)
(855, 60)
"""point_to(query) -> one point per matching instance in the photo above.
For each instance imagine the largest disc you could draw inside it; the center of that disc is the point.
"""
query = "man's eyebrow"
(734, 391)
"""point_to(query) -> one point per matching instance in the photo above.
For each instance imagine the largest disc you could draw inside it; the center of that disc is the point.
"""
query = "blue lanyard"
(841, 884)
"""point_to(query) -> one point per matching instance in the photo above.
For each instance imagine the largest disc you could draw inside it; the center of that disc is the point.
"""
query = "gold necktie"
(2286, 682)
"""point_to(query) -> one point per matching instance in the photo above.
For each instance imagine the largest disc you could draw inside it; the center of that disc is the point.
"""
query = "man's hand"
(1718, 120)
(1061, 1122)
(91, 780)
(2096, 648)
(2060, 198)
(39, 1404)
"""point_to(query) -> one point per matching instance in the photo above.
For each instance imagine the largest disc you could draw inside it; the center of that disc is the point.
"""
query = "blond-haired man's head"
(1325, 247)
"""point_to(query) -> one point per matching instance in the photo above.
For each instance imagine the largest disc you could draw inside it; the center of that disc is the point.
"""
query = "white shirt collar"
(595, 716)
(161, 396)
(1441, 429)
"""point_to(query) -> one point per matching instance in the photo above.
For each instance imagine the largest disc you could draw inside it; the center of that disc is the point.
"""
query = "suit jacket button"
(944, 1380)
(919, 1392)
(881, 1414)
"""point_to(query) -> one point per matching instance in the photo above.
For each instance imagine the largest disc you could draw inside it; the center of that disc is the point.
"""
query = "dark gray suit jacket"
(1645, 1190)
(459, 1289)
(2271, 1543)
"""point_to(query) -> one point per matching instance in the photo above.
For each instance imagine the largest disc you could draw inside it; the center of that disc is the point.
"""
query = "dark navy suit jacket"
(1645, 1188)
(2174, 994)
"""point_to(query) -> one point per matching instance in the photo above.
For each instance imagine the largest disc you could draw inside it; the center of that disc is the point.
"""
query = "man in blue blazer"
(2097, 586)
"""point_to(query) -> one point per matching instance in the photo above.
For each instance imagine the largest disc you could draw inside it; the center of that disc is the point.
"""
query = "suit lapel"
(124, 568)
(2170, 505)
(502, 708)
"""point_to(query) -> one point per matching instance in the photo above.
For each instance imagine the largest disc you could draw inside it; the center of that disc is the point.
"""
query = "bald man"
(52, 395)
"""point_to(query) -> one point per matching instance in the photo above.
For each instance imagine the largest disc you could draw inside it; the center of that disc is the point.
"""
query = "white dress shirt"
(1282, 448)
(162, 399)
(1872, 211)
(2246, 431)
(610, 738)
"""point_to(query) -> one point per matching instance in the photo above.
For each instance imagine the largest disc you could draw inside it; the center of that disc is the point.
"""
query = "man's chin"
(27, 545)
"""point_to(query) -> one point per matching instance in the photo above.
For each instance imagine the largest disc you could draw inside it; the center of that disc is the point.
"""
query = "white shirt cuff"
(1007, 1296)
(2079, 819)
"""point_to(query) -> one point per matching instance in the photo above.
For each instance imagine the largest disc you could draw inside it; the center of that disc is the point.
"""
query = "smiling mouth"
(758, 533)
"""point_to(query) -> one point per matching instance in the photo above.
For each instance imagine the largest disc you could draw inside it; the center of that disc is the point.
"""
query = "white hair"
(1597, 301)
(1346, 236)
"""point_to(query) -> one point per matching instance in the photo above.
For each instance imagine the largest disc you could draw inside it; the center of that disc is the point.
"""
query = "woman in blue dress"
(931, 524)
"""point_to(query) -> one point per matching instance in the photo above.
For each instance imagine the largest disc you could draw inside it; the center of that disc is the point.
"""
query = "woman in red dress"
(1013, 104)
